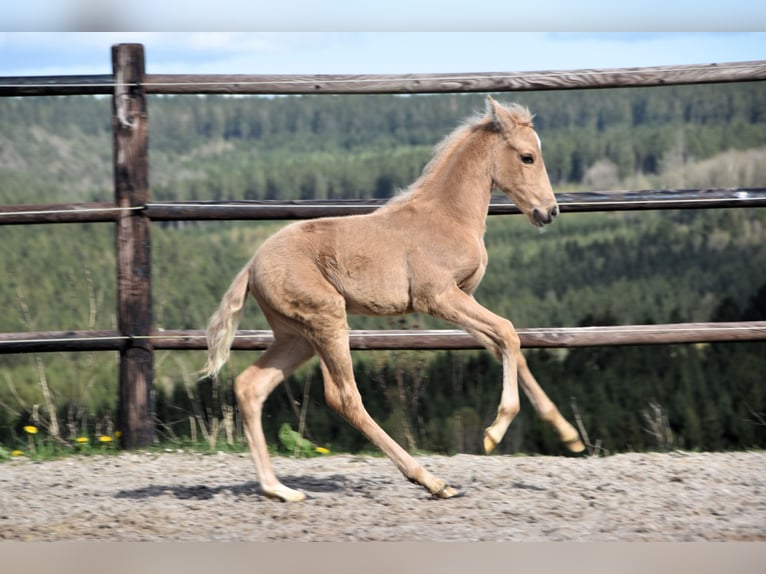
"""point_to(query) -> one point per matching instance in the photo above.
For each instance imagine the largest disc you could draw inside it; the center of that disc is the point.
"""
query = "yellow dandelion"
(81, 439)
(17, 453)
(30, 429)
(104, 438)
(322, 450)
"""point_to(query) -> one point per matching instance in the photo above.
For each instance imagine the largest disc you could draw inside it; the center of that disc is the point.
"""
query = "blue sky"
(396, 36)
(55, 53)
(388, 15)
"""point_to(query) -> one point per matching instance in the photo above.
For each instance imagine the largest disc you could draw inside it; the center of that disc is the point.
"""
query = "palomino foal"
(421, 252)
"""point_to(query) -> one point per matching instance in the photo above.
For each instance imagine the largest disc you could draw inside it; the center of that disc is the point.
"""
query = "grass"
(38, 446)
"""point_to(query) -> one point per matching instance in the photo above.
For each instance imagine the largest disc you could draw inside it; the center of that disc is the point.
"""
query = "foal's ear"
(499, 115)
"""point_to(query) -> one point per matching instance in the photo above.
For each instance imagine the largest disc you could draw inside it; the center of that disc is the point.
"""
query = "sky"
(75, 53)
(44, 37)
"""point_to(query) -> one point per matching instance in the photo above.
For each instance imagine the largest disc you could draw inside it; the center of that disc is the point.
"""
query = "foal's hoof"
(447, 492)
(285, 494)
(490, 442)
(572, 442)
(575, 446)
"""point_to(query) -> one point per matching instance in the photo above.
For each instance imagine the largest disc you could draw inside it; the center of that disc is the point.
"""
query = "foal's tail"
(223, 324)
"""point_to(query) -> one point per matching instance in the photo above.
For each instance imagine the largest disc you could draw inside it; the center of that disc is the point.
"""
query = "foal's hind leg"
(547, 410)
(252, 387)
(343, 395)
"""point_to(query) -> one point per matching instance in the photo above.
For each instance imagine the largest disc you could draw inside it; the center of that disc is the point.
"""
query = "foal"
(423, 252)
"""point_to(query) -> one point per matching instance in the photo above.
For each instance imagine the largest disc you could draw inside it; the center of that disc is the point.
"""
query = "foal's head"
(518, 169)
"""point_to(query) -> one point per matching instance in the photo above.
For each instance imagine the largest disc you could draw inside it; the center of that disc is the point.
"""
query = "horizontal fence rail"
(391, 84)
(579, 202)
(393, 339)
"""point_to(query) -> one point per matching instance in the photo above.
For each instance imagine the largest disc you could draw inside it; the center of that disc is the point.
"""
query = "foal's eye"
(527, 158)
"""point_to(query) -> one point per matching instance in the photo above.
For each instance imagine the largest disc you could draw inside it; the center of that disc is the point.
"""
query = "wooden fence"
(132, 211)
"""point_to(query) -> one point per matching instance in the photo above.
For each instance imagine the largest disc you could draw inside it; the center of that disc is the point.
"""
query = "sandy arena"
(186, 496)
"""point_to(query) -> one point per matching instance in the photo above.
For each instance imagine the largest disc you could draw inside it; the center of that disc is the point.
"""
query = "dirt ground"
(187, 496)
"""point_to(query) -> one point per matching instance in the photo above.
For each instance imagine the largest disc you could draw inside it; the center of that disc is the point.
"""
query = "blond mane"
(520, 114)
(517, 114)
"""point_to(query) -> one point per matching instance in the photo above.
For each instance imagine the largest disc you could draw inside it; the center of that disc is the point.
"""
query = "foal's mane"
(516, 114)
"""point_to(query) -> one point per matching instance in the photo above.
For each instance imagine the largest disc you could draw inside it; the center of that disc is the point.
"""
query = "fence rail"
(395, 339)
(242, 84)
(581, 202)
(132, 210)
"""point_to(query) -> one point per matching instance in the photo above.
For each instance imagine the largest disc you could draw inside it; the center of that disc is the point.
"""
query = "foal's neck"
(458, 180)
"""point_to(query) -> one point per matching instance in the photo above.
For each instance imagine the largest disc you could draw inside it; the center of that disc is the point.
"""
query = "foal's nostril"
(554, 211)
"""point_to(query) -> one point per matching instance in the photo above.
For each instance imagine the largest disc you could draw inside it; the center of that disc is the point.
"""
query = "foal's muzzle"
(543, 218)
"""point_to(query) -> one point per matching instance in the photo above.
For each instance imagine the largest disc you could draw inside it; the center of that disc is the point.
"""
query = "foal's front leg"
(498, 336)
(509, 404)
(547, 410)
(544, 407)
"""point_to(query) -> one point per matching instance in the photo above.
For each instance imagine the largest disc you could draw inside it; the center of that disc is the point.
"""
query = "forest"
(586, 269)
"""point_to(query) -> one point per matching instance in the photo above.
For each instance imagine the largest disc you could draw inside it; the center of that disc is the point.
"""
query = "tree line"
(320, 146)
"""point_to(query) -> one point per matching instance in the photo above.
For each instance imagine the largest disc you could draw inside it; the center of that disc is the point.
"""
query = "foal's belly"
(377, 307)
(351, 257)
(376, 291)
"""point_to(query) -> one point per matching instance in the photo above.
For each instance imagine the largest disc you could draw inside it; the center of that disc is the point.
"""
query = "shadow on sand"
(334, 483)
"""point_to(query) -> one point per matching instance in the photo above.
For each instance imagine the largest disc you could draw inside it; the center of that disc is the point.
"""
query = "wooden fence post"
(131, 188)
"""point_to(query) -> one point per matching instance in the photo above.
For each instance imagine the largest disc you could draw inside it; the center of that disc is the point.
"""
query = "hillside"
(586, 269)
